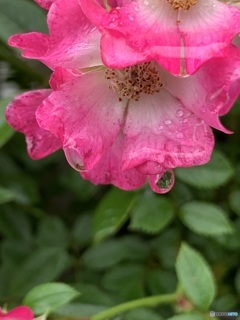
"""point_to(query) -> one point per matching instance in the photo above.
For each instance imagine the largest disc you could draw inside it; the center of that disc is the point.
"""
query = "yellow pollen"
(131, 82)
(182, 4)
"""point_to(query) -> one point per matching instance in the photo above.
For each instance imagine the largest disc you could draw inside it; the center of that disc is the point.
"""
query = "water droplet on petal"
(74, 159)
(179, 113)
(167, 122)
(162, 182)
(196, 95)
(130, 18)
(146, 2)
(114, 16)
(179, 135)
(165, 181)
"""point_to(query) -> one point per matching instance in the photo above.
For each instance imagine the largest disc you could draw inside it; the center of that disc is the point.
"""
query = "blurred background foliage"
(112, 246)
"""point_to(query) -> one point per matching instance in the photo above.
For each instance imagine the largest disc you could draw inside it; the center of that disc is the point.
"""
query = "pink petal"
(152, 28)
(233, 94)
(19, 313)
(211, 91)
(20, 115)
(33, 44)
(108, 170)
(111, 57)
(160, 133)
(59, 77)
(46, 4)
(85, 115)
(73, 41)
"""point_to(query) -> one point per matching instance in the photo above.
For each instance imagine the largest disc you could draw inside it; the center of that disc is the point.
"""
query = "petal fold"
(181, 41)
(160, 133)
(73, 41)
(109, 171)
(20, 114)
(85, 115)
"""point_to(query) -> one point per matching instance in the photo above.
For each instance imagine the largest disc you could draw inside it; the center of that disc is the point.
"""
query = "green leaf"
(160, 281)
(52, 232)
(82, 230)
(205, 218)
(234, 201)
(14, 224)
(195, 277)
(151, 213)
(92, 294)
(136, 249)
(5, 130)
(188, 316)
(49, 296)
(29, 17)
(6, 271)
(111, 252)
(26, 190)
(105, 254)
(70, 180)
(112, 212)
(214, 174)
(165, 247)
(23, 187)
(126, 280)
(237, 281)
(231, 241)
(142, 314)
(6, 195)
(15, 252)
(43, 265)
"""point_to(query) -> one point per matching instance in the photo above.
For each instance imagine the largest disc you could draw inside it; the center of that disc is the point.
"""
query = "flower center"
(131, 82)
(182, 4)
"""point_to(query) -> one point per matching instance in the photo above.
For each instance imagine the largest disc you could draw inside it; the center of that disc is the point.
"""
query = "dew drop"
(196, 95)
(161, 127)
(146, 2)
(203, 110)
(166, 180)
(179, 135)
(130, 18)
(179, 113)
(74, 159)
(167, 122)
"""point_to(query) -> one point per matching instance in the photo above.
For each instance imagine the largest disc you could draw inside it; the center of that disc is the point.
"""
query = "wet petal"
(20, 115)
(109, 171)
(161, 133)
(211, 91)
(73, 41)
(181, 41)
(85, 115)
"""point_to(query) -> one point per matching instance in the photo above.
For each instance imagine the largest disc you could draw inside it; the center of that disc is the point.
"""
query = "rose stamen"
(131, 82)
(182, 4)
